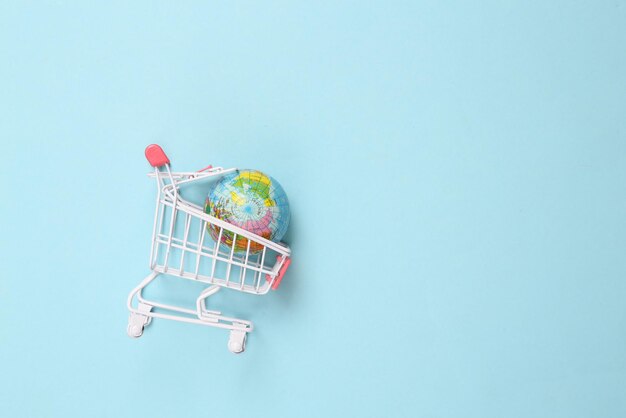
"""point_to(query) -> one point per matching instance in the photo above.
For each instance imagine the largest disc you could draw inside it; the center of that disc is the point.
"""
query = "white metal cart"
(181, 248)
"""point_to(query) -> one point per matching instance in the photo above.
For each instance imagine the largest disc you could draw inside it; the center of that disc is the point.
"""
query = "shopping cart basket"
(181, 248)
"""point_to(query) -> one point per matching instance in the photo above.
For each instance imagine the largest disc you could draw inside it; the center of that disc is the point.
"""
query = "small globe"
(252, 201)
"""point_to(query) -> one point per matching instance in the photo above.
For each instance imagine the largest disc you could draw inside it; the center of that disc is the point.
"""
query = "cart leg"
(237, 340)
(137, 321)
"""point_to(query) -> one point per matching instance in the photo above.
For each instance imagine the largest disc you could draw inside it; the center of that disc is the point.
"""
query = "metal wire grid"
(180, 245)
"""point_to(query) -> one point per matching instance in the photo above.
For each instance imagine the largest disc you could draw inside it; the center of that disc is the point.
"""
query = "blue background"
(457, 183)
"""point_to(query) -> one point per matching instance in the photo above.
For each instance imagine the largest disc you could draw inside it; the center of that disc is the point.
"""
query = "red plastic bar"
(281, 272)
(156, 156)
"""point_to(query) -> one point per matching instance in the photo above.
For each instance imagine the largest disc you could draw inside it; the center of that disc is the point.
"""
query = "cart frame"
(175, 249)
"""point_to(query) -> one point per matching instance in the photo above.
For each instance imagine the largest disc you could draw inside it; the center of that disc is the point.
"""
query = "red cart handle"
(281, 272)
(156, 156)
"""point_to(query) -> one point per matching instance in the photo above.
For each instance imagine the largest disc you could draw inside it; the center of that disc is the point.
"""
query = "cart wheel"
(134, 331)
(136, 324)
(237, 341)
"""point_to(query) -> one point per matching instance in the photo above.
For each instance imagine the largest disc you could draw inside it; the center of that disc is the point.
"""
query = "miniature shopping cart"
(182, 247)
